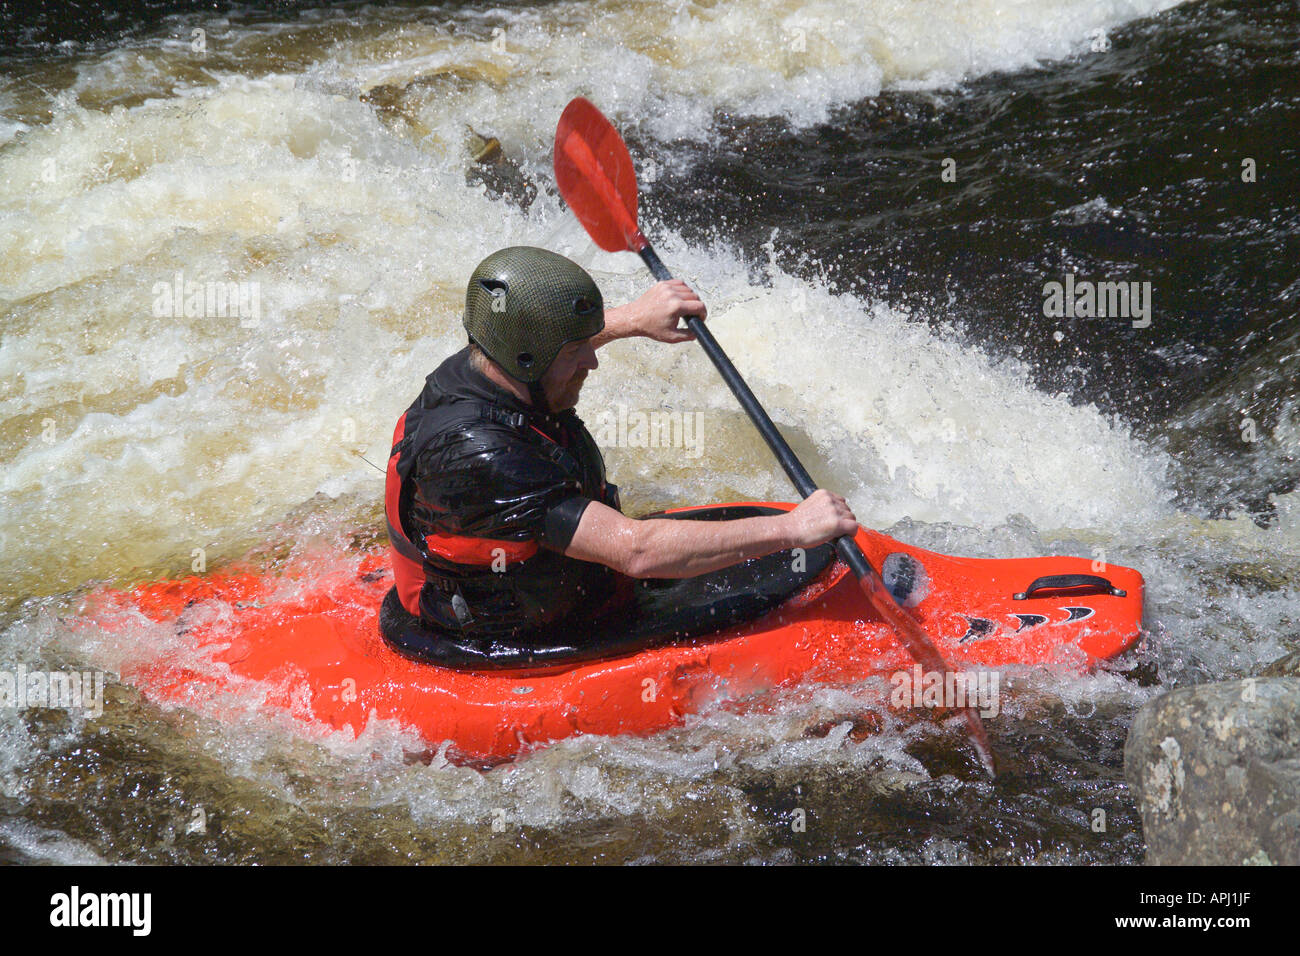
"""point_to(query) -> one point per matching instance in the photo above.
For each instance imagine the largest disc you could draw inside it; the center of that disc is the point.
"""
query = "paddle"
(596, 178)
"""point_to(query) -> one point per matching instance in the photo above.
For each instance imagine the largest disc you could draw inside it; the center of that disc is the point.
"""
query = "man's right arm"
(664, 548)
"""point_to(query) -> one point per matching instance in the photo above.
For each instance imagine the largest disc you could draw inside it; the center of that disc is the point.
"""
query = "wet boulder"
(1216, 772)
(1288, 666)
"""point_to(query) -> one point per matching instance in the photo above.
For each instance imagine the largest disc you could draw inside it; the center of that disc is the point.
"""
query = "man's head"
(533, 312)
(563, 380)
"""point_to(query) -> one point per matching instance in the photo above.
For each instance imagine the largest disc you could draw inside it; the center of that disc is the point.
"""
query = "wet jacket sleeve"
(481, 480)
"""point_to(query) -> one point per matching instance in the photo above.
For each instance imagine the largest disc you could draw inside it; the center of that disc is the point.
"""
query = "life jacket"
(473, 584)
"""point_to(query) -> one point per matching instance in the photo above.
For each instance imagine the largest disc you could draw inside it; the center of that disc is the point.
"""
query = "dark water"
(42, 27)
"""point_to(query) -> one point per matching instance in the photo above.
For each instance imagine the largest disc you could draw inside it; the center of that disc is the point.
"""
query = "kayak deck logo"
(979, 628)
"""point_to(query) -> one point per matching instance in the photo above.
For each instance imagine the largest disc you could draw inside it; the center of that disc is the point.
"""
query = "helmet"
(524, 304)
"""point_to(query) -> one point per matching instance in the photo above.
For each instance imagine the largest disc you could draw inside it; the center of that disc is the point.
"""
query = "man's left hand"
(656, 313)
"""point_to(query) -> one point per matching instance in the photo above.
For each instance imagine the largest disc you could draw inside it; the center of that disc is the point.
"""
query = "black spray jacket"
(483, 494)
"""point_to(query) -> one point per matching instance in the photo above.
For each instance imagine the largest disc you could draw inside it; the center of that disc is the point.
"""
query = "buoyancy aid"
(482, 495)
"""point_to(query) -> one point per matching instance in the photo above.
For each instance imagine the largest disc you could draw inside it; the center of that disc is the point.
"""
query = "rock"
(1216, 772)
(1259, 578)
(484, 149)
(1288, 666)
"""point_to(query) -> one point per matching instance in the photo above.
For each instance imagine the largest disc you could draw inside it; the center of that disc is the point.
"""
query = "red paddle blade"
(596, 178)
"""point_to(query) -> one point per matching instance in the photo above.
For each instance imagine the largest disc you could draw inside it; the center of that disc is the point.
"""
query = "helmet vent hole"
(525, 359)
(493, 287)
(583, 306)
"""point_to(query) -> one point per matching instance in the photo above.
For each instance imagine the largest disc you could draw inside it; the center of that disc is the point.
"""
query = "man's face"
(563, 380)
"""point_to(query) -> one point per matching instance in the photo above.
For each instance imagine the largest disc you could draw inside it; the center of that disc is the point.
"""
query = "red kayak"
(311, 647)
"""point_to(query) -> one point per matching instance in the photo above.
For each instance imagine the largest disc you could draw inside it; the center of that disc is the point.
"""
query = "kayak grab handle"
(1053, 581)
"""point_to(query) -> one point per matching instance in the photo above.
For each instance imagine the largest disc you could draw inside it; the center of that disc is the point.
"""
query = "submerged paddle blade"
(596, 178)
(919, 646)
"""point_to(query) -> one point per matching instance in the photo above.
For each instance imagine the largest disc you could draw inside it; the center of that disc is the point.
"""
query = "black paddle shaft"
(848, 548)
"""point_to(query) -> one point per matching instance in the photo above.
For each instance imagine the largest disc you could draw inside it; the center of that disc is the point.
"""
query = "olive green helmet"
(524, 304)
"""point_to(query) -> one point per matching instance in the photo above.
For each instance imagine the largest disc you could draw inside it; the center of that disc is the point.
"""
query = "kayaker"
(500, 517)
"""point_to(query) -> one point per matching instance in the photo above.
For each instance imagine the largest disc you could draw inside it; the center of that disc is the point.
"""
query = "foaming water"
(325, 163)
(142, 433)
(667, 68)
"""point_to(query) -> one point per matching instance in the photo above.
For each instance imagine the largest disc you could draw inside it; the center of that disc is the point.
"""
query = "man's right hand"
(662, 548)
(821, 516)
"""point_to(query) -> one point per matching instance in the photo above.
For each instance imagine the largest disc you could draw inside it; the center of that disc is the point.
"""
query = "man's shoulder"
(464, 428)
(477, 425)
(481, 441)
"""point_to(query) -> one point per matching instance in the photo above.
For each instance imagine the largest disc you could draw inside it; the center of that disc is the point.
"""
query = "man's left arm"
(655, 315)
